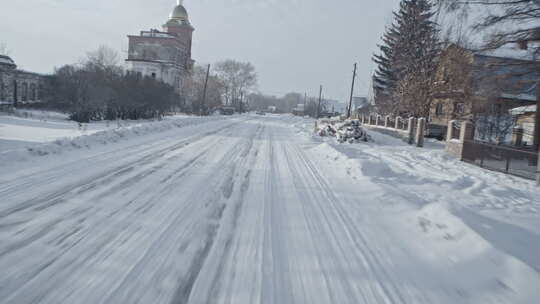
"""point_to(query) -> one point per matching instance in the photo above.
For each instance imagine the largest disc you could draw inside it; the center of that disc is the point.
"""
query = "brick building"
(18, 86)
(166, 54)
(469, 83)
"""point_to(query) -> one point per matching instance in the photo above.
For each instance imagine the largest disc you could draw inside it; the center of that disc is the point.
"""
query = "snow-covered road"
(253, 210)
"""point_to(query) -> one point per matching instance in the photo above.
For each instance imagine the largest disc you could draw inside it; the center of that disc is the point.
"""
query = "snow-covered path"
(241, 210)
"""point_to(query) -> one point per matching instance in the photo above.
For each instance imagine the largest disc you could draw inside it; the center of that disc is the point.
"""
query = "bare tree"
(508, 21)
(104, 58)
(97, 88)
(238, 78)
(193, 89)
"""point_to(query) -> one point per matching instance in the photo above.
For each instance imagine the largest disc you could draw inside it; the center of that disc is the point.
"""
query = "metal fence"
(510, 160)
(380, 121)
(404, 124)
(392, 122)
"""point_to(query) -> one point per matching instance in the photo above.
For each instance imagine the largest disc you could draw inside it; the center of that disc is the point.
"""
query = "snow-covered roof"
(520, 96)
(514, 78)
(6, 60)
(523, 110)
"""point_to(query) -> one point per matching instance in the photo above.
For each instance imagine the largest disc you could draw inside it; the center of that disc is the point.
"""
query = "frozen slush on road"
(259, 209)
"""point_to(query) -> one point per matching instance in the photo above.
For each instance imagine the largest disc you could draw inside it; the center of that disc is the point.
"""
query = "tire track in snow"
(186, 290)
(64, 195)
(14, 187)
(391, 293)
(107, 239)
(210, 281)
(96, 180)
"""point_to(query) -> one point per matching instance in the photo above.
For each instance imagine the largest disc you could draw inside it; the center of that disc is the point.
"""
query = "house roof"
(523, 110)
(512, 78)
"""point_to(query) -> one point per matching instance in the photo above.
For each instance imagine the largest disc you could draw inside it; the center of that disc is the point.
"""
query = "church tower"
(164, 55)
(178, 25)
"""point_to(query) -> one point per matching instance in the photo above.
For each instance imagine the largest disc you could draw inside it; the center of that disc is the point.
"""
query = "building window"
(33, 95)
(459, 108)
(39, 93)
(15, 92)
(24, 92)
(2, 91)
(439, 109)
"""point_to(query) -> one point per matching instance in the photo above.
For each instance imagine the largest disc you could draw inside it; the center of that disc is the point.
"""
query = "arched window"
(33, 95)
(24, 91)
(39, 94)
(439, 110)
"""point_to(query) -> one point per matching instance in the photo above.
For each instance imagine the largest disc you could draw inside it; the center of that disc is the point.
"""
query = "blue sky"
(294, 44)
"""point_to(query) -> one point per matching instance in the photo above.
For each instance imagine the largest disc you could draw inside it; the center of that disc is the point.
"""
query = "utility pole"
(242, 102)
(305, 104)
(320, 99)
(352, 92)
(536, 138)
(205, 88)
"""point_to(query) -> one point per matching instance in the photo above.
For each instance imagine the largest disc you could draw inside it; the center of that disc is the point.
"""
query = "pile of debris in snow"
(345, 131)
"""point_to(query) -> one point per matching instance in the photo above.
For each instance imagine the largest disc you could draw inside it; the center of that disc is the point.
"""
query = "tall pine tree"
(407, 60)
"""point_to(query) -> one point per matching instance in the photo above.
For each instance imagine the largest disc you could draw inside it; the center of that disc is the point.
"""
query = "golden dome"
(179, 13)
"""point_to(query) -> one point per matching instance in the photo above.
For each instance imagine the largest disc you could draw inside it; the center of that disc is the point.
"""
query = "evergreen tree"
(407, 58)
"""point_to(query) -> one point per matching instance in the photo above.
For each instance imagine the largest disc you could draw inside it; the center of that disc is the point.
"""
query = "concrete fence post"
(396, 125)
(450, 130)
(420, 132)
(387, 121)
(410, 130)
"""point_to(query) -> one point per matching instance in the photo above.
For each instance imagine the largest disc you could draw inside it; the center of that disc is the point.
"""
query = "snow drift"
(100, 138)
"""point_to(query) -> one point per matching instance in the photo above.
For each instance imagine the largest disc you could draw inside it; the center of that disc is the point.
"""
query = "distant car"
(260, 113)
(227, 111)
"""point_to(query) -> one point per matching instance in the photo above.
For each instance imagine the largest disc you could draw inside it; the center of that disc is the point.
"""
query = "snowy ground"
(258, 210)
(26, 128)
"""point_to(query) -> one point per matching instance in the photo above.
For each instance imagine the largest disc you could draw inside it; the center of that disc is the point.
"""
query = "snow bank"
(99, 138)
(478, 207)
(480, 228)
(27, 127)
